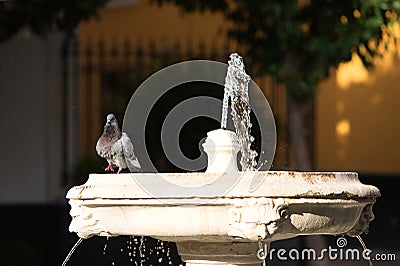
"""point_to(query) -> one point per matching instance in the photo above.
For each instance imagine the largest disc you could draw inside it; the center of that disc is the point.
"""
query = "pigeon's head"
(111, 118)
(111, 123)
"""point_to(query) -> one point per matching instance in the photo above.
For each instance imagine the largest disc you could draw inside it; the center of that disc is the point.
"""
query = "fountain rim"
(338, 185)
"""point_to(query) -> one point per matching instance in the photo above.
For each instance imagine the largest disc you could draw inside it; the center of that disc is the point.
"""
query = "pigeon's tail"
(133, 165)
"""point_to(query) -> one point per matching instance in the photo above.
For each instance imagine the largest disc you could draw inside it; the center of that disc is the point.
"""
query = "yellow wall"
(358, 116)
(151, 22)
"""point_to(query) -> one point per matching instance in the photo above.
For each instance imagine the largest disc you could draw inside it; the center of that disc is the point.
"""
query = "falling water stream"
(364, 247)
(237, 91)
(72, 251)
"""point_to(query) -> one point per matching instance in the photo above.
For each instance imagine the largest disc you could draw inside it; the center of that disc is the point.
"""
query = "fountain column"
(219, 253)
(221, 147)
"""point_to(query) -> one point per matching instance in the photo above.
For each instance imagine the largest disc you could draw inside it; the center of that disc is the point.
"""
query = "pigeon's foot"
(119, 170)
(110, 168)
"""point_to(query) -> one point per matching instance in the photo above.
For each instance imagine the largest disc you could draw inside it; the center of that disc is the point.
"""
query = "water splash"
(105, 246)
(142, 250)
(130, 249)
(72, 251)
(237, 91)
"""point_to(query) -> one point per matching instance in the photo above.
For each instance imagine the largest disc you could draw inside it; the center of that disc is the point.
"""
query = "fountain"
(214, 228)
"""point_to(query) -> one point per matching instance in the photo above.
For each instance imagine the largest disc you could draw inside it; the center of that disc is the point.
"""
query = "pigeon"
(116, 147)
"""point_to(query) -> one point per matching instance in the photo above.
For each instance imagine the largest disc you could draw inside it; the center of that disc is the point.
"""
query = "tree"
(44, 16)
(298, 42)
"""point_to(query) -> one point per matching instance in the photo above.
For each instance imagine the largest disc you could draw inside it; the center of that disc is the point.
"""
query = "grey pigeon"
(116, 147)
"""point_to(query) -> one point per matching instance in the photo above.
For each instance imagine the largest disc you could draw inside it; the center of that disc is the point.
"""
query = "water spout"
(237, 91)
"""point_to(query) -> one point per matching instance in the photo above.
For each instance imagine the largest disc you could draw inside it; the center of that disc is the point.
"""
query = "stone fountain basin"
(285, 205)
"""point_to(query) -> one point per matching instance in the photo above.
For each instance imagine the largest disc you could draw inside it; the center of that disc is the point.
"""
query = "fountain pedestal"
(220, 253)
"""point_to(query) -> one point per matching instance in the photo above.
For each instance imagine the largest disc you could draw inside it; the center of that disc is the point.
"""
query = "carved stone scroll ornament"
(362, 226)
(257, 217)
(84, 223)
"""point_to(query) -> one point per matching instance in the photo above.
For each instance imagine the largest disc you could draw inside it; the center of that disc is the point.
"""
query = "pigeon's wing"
(98, 147)
(103, 150)
(127, 147)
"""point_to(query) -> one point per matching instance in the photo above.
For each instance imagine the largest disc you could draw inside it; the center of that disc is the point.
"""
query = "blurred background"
(330, 71)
